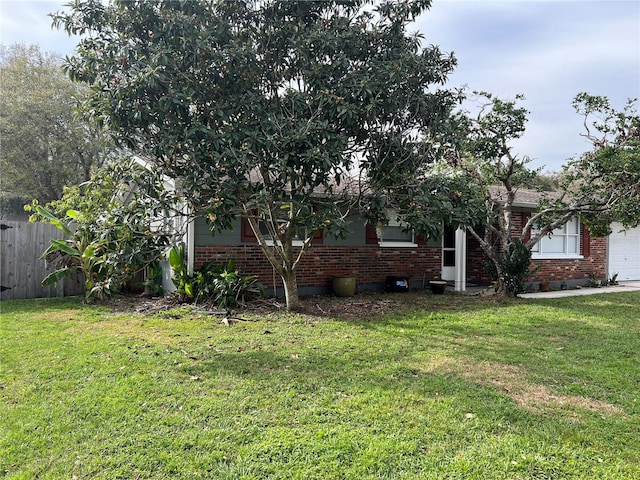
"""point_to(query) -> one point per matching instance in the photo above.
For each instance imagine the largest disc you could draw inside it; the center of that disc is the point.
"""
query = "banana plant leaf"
(55, 277)
(62, 246)
(54, 220)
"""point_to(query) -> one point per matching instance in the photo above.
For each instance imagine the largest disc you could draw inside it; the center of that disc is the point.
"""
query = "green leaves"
(264, 103)
(54, 277)
(120, 226)
(223, 285)
(74, 257)
(177, 258)
(53, 220)
(606, 179)
(62, 246)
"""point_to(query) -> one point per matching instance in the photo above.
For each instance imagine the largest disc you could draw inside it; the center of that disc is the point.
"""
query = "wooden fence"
(21, 270)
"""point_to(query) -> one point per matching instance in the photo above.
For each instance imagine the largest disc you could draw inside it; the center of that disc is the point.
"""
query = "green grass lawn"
(461, 388)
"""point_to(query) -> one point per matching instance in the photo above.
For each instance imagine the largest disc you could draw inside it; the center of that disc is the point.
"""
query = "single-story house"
(571, 255)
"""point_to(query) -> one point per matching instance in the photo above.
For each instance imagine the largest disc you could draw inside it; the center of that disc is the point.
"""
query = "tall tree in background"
(45, 146)
(265, 109)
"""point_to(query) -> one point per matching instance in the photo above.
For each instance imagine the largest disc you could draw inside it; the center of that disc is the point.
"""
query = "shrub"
(222, 285)
(116, 225)
(514, 264)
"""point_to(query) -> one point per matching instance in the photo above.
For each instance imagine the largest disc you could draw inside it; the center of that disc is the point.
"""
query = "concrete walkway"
(621, 287)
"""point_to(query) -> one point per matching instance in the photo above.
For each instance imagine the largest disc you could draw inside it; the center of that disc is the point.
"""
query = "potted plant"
(437, 286)
(544, 285)
(344, 286)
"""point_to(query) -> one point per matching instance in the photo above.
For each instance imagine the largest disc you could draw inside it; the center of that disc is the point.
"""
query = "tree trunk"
(500, 287)
(291, 290)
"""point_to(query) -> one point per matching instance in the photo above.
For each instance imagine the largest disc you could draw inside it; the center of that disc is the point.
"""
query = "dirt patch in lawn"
(536, 398)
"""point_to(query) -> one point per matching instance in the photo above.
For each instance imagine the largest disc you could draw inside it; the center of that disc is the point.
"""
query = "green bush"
(222, 285)
(514, 268)
(115, 226)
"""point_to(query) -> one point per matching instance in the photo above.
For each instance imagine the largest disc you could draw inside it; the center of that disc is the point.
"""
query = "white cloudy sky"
(547, 50)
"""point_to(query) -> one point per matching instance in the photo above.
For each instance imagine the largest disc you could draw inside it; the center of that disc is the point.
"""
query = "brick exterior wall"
(370, 264)
(593, 263)
(557, 270)
(475, 262)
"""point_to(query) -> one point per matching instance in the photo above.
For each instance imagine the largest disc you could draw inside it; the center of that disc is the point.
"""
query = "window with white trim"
(247, 235)
(563, 242)
(395, 234)
(282, 223)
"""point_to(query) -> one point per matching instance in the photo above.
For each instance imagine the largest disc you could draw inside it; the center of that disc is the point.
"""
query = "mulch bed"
(360, 306)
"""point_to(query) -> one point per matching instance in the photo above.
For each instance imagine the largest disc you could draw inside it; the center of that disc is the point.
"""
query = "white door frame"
(458, 272)
(448, 272)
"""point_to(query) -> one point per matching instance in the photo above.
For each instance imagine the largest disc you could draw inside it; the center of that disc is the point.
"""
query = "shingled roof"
(524, 197)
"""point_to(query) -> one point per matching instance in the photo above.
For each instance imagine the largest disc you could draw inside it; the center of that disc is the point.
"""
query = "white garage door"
(624, 253)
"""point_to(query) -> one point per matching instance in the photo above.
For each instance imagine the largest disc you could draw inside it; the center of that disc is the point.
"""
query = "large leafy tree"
(607, 176)
(278, 111)
(599, 187)
(45, 146)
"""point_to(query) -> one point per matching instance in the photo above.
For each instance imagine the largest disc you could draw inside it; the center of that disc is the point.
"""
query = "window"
(297, 241)
(562, 242)
(392, 235)
(247, 236)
